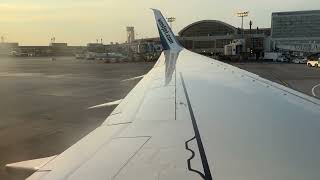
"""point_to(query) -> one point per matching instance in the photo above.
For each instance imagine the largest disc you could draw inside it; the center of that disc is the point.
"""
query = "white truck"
(275, 56)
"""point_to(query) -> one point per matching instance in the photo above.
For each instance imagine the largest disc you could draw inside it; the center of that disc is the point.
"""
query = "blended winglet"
(168, 39)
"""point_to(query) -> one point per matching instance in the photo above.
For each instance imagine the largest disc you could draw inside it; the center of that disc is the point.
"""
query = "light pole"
(171, 20)
(242, 15)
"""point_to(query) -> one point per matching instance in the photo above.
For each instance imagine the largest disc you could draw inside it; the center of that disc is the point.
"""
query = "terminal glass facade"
(300, 24)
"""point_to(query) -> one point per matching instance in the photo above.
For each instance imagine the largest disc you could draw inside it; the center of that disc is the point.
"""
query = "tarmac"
(299, 77)
(44, 104)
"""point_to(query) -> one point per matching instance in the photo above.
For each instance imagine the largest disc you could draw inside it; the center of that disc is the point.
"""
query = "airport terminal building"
(207, 35)
(296, 31)
(290, 32)
(211, 36)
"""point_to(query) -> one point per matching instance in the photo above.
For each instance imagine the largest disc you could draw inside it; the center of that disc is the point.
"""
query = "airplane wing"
(192, 117)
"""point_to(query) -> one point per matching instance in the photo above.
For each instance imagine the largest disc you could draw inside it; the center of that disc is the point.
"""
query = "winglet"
(168, 39)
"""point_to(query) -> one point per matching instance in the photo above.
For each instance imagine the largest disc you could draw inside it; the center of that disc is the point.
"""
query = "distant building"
(149, 45)
(6, 48)
(54, 49)
(96, 47)
(130, 34)
(33, 51)
(60, 45)
(296, 31)
(60, 49)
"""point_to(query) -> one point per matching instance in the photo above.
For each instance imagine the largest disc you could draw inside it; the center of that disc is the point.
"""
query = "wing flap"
(102, 164)
(70, 160)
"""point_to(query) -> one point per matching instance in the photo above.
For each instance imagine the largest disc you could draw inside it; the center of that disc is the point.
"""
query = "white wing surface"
(192, 117)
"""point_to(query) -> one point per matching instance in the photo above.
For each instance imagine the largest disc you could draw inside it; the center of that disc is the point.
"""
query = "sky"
(78, 22)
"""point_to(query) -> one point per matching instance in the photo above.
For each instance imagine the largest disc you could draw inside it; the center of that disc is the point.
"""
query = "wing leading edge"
(192, 117)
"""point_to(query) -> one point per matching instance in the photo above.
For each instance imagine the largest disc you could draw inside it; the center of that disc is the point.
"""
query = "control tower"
(130, 34)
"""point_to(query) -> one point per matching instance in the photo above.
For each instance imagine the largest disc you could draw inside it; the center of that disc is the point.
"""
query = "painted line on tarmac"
(313, 90)
(282, 81)
(285, 83)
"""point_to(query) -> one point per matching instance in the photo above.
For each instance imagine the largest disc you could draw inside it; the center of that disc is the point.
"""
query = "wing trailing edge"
(29, 165)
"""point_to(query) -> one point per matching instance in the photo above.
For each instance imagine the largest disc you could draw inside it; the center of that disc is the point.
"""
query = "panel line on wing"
(175, 94)
(115, 124)
(149, 137)
(205, 164)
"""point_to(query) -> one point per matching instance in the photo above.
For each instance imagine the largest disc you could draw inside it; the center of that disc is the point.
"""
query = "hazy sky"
(77, 22)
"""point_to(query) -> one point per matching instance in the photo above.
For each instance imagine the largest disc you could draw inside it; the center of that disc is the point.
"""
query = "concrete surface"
(43, 103)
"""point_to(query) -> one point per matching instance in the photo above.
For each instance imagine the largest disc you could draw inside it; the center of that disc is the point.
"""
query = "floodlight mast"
(171, 20)
(242, 15)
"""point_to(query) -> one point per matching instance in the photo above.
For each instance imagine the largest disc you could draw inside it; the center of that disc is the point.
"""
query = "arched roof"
(207, 28)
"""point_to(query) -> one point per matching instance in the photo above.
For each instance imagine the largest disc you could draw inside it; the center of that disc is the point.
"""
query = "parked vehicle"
(300, 60)
(80, 56)
(282, 59)
(275, 56)
(313, 63)
(313, 60)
